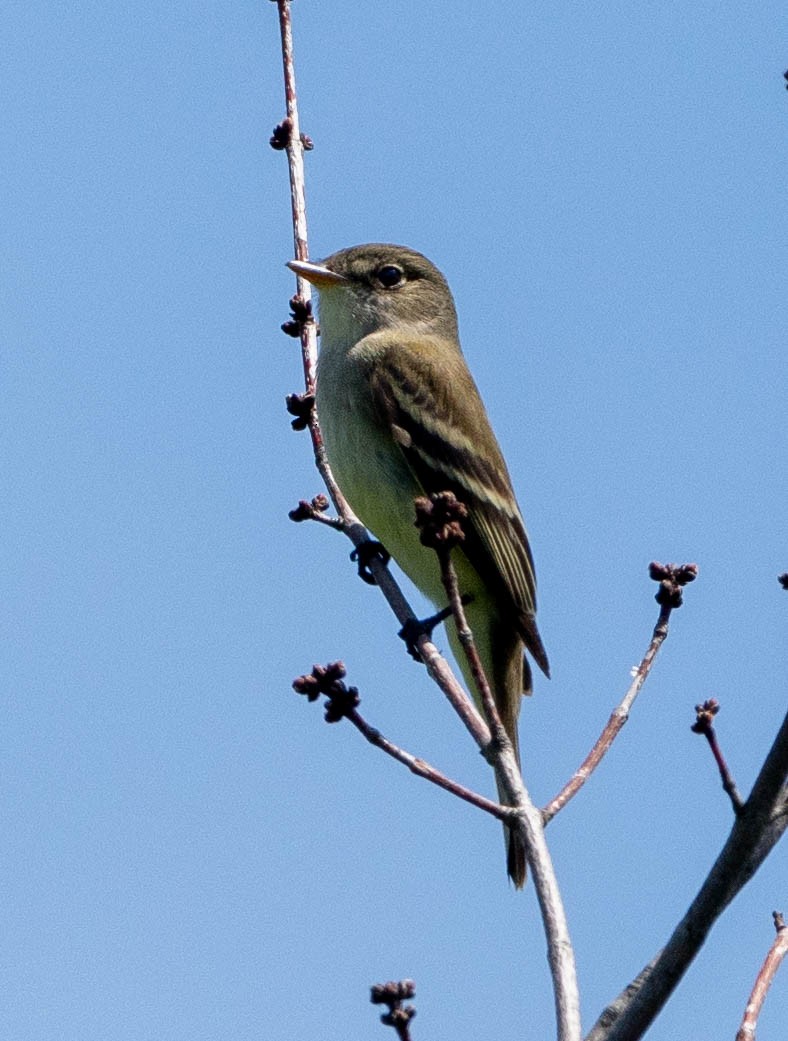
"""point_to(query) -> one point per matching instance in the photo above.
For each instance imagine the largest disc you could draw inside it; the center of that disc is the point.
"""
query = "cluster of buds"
(300, 314)
(329, 680)
(309, 510)
(671, 578)
(393, 994)
(283, 136)
(704, 716)
(439, 519)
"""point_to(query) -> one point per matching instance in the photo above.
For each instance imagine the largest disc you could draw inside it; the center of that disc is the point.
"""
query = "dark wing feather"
(441, 426)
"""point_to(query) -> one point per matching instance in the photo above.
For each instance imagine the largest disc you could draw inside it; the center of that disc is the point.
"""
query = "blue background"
(188, 851)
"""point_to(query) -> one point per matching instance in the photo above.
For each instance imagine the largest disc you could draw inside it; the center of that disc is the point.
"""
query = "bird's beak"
(319, 276)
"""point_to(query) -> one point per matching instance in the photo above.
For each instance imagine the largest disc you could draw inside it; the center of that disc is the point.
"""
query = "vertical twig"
(777, 952)
(295, 146)
(439, 518)
(288, 136)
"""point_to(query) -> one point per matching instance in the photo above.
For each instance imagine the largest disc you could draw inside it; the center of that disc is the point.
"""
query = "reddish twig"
(343, 702)
(704, 724)
(423, 769)
(287, 137)
(672, 578)
(399, 1015)
(771, 964)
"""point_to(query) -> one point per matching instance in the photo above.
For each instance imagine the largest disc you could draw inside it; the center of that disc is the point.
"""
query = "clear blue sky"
(188, 851)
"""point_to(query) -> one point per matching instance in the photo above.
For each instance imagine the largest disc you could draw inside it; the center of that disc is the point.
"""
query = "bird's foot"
(366, 552)
(415, 627)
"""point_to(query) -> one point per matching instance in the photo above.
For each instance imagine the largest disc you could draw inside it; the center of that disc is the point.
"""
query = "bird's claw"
(366, 552)
(416, 627)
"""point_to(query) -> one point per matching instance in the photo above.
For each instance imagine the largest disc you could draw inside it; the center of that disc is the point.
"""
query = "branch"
(560, 953)
(777, 952)
(287, 137)
(440, 519)
(423, 769)
(756, 831)
(671, 578)
(704, 724)
(343, 703)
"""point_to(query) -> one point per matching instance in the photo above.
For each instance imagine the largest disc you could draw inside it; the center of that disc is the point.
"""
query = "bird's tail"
(501, 651)
(511, 680)
(516, 860)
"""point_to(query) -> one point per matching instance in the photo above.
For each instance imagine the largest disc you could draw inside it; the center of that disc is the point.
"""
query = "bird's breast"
(370, 467)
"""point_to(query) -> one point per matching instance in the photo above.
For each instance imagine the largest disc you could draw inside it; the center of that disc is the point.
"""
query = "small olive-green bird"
(402, 417)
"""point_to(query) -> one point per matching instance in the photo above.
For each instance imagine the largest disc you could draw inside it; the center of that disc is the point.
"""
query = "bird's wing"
(437, 418)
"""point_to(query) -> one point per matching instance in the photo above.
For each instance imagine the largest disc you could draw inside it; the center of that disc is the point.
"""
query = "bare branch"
(343, 702)
(440, 518)
(704, 724)
(756, 831)
(671, 579)
(560, 953)
(423, 769)
(777, 952)
(287, 137)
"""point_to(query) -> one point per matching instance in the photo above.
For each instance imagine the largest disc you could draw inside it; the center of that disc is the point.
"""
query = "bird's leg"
(415, 627)
(364, 553)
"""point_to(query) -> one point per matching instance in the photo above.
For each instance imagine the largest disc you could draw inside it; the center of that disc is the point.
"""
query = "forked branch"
(756, 831)
(440, 518)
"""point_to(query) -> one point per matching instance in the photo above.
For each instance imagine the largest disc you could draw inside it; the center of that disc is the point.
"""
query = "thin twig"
(343, 702)
(423, 769)
(777, 952)
(615, 723)
(755, 832)
(671, 579)
(498, 733)
(442, 674)
(288, 136)
(704, 716)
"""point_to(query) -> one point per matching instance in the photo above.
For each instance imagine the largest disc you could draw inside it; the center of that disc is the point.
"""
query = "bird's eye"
(390, 275)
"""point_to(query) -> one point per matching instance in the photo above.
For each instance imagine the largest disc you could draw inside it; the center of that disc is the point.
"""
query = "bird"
(401, 417)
